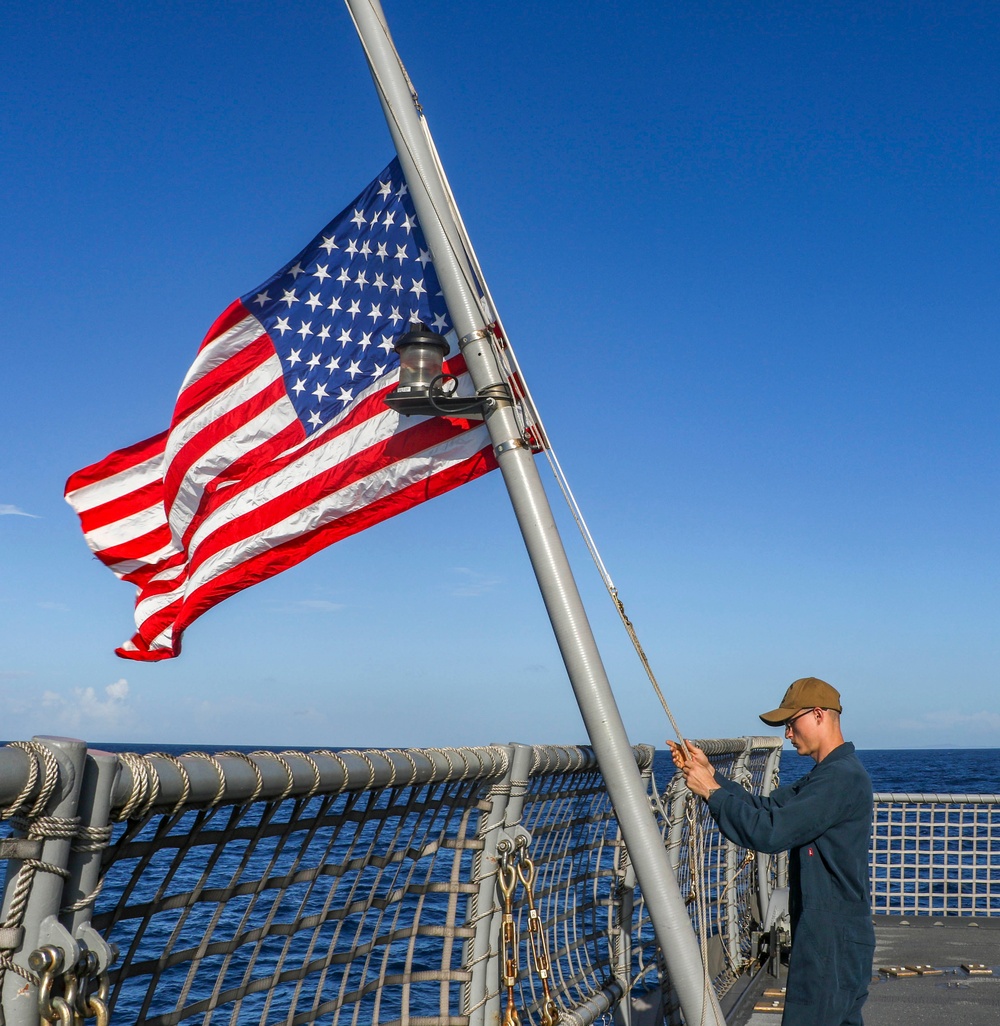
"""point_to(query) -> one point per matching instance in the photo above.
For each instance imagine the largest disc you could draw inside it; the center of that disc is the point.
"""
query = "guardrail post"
(33, 893)
(623, 953)
(765, 885)
(482, 994)
(99, 775)
(741, 775)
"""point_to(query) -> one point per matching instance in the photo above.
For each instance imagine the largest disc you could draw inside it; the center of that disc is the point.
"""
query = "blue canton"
(335, 311)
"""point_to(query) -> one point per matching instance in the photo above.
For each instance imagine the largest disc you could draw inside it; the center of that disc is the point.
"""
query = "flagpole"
(433, 204)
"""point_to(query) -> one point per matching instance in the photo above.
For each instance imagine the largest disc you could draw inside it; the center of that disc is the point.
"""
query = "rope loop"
(42, 763)
(185, 779)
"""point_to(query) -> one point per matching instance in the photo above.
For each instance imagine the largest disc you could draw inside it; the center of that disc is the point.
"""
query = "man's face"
(803, 730)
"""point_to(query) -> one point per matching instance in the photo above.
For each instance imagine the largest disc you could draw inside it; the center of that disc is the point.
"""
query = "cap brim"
(777, 717)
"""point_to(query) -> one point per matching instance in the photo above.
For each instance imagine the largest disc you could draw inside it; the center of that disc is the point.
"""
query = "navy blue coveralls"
(825, 822)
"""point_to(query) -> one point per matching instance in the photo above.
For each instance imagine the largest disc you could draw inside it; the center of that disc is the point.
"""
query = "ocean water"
(926, 771)
(916, 771)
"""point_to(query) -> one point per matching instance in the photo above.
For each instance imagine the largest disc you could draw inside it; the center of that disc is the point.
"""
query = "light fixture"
(424, 389)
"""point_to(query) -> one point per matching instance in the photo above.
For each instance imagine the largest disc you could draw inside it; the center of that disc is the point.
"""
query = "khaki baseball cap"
(805, 693)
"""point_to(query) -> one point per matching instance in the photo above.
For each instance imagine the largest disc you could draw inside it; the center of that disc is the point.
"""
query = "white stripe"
(152, 604)
(220, 349)
(245, 388)
(243, 441)
(238, 445)
(121, 532)
(127, 566)
(117, 486)
(309, 464)
(360, 493)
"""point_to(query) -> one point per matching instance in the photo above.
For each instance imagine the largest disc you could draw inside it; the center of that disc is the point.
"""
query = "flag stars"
(373, 270)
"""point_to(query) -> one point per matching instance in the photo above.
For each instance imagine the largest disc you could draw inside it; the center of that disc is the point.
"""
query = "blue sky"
(747, 255)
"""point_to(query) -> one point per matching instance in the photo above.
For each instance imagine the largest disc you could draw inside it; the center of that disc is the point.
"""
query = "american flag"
(280, 442)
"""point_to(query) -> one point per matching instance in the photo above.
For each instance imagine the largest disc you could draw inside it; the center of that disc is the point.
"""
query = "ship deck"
(957, 983)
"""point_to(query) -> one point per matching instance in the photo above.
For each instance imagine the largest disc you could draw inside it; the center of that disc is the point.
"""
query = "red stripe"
(243, 471)
(229, 318)
(216, 381)
(195, 448)
(117, 462)
(292, 552)
(123, 507)
(151, 629)
(358, 465)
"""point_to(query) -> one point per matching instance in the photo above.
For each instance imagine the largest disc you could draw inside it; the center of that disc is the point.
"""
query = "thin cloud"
(7, 510)
(471, 583)
(984, 722)
(316, 606)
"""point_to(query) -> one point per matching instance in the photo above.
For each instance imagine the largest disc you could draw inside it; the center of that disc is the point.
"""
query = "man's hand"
(698, 772)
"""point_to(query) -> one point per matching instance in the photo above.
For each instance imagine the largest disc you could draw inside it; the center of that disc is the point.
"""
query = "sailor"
(825, 821)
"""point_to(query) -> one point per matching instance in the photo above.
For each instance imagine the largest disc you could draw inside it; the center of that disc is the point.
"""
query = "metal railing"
(936, 854)
(346, 886)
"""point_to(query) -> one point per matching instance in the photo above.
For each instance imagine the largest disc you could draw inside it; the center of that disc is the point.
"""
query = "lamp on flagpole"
(424, 389)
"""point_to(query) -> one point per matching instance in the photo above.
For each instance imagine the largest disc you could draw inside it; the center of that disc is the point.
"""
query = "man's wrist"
(711, 790)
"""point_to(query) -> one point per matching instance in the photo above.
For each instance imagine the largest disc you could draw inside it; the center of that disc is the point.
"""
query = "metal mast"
(433, 203)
